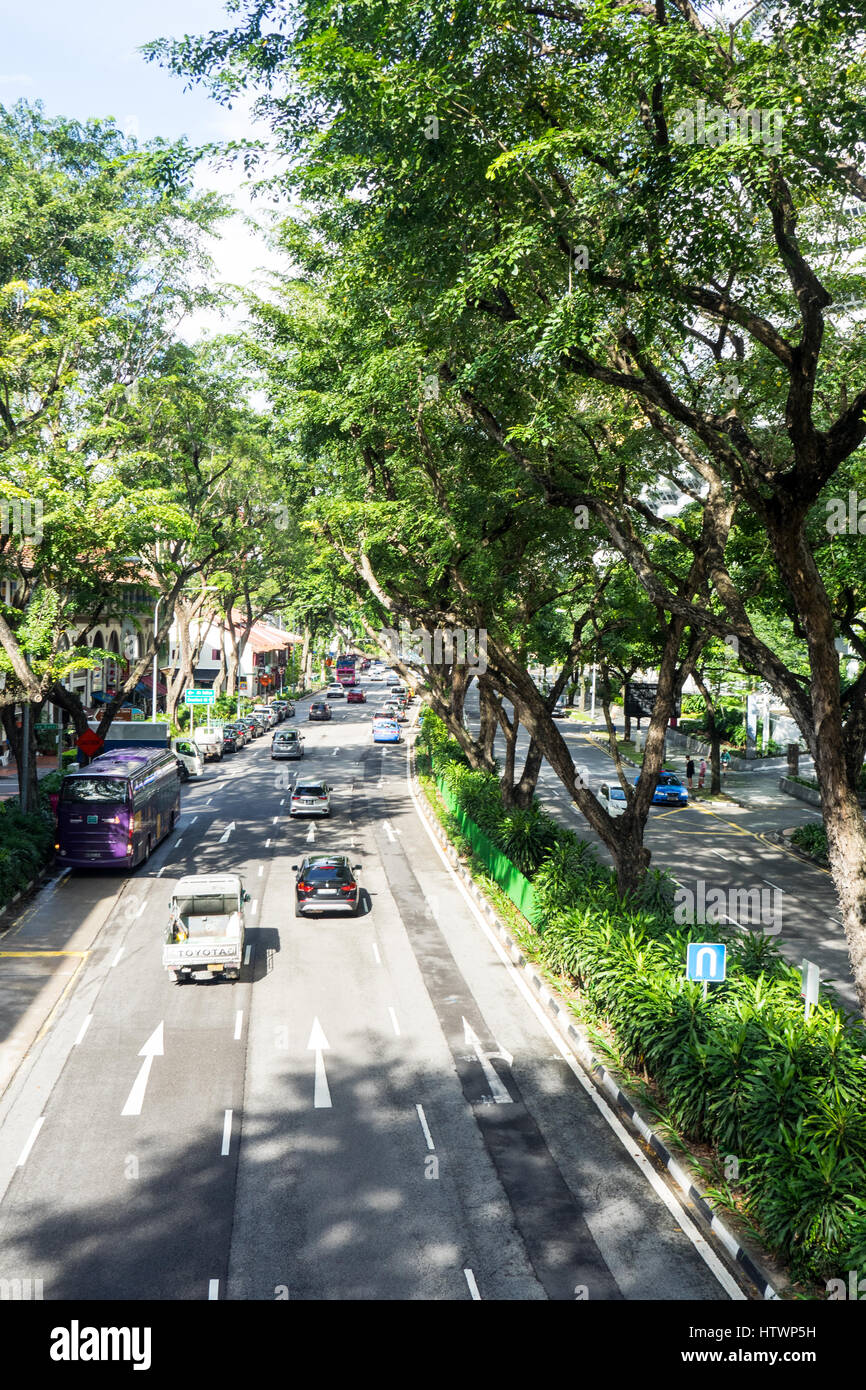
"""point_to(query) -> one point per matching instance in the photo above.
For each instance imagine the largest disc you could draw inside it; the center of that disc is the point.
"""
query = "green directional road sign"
(198, 697)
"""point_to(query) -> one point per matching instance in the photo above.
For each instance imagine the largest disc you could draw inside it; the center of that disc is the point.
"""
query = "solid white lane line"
(377, 958)
(22, 1157)
(83, 1029)
(117, 957)
(668, 1197)
(213, 1290)
(424, 1125)
(473, 1287)
(394, 1022)
(227, 1134)
(239, 1019)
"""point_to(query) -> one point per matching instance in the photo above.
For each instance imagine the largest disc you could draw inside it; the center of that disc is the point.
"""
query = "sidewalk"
(45, 763)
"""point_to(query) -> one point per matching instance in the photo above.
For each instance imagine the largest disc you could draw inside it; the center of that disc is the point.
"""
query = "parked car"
(285, 709)
(335, 692)
(327, 883)
(669, 790)
(558, 711)
(230, 739)
(319, 709)
(267, 715)
(209, 742)
(310, 799)
(355, 697)
(239, 733)
(287, 743)
(258, 725)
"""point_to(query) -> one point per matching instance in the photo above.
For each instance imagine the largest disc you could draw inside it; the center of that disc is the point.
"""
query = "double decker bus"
(114, 812)
(346, 672)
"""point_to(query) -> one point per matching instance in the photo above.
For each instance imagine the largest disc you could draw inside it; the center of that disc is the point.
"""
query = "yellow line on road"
(37, 952)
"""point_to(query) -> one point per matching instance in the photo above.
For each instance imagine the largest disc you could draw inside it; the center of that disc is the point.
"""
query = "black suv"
(319, 709)
(327, 883)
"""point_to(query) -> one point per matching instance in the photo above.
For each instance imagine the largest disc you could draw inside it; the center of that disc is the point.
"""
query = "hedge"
(742, 1070)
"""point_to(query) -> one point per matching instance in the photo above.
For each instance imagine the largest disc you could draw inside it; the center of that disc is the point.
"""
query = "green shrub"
(811, 838)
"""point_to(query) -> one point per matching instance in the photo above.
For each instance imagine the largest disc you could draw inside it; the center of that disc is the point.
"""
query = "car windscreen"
(94, 789)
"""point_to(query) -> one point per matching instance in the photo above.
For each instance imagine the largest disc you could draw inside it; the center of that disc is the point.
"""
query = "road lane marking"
(667, 1196)
(247, 953)
(473, 1287)
(152, 1048)
(227, 1134)
(177, 842)
(161, 872)
(424, 1125)
(319, 1043)
(194, 819)
(275, 820)
(117, 957)
(83, 1029)
(267, 844)
(261, 870)
(394, 1022)
(255, 906)
(213, 1290)
(225, 835)
(311, 835)
(498, 1089)
(22, 1157)
(140, 911)
(239, 1019)
(389, 832)
(283, 801)
(772, 885)
(377, 958)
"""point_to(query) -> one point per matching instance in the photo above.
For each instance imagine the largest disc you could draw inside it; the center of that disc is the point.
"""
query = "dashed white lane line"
(227, 1134)
(283, 801)
(424, 1125)
(377, 958)
(82, 1030)
(247, 953)
(261, 870)
(255, 907)
(194, 819)
(239, 1021)
(267, 844)
(275, 820)
(177, 842)
(389, 832)
(22, 1157)
(213, 1290)
(117, 957)
(473, 1287)
(394, 1022)
(140, 910)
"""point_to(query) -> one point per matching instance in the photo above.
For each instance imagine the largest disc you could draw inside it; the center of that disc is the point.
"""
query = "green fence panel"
(500, 868)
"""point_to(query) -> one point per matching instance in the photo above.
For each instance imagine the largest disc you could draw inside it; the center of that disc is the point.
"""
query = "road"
(375, 1110)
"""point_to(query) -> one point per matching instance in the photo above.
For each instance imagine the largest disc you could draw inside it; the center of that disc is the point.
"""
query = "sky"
(80, 59)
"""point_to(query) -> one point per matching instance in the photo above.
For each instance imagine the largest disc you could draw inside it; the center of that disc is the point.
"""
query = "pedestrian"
(702, 772)
(690, 772)
(726, 763)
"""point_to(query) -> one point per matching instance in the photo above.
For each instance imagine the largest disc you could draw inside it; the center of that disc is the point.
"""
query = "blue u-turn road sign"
(706, 960)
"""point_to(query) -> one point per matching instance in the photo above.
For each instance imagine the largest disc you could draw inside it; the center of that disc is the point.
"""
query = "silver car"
(310, 799)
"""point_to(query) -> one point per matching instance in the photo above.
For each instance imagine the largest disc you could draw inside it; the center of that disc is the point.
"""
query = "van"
(287, 743)
(188, 756)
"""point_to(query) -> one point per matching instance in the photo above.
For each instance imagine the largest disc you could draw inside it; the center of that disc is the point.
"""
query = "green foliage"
(26, 847)
(812, 838)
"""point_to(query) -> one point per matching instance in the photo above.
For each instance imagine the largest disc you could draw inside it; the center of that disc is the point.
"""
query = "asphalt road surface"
(375, 1110)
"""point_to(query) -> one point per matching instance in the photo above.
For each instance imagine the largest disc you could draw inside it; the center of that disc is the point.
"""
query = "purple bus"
(115, 811)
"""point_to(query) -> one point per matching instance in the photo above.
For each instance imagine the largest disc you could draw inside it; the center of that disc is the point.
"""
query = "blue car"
(387, 731)
(669, 790)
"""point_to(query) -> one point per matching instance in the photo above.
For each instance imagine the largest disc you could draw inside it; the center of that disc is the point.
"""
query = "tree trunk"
(524, 791)
(15, 735)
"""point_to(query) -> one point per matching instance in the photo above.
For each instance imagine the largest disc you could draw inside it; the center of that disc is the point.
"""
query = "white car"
(374, 676)
(310, 799)
(612, 798)
(335, 692)
(266, 713)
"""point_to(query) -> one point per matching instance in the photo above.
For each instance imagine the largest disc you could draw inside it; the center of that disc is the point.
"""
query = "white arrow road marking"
(22, 1158)
(152, 1048)
(311, 835)
(389, 832)
(228, 830)
(497, 1089)
(473, 1287)
(83, 1029)
(227, 1134)
(319, 1043)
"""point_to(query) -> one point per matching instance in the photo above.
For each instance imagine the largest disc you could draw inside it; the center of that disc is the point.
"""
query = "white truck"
(205, 932)
(209, 741)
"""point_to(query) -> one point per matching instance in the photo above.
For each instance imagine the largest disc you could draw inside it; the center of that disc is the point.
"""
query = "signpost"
(195, 697)
(809, 988)
(706, 961)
